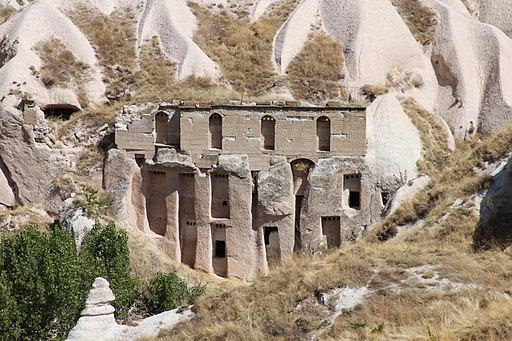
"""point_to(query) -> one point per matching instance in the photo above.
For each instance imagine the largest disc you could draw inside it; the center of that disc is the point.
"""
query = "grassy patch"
(113, 38)
(156, 80)
(433, 138)
(316, 73)
(421, 20)
(6, 13)
(241, 48)
(60, 68)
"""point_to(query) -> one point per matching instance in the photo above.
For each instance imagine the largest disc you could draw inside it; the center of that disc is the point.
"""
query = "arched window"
(323, 133)
(268, 132)
(215, 132)
(161, 120)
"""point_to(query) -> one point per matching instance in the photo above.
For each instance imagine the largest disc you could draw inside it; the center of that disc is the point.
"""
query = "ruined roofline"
(235, 104)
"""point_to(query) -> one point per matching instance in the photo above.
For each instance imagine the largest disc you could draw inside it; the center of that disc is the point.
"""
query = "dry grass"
(282, 306)
(156, 80)
(316, 73)
(398, 80)
(60, 68)
(113, 38)
(241, 48)
(433, 138)
(421, 20)
(6, 13)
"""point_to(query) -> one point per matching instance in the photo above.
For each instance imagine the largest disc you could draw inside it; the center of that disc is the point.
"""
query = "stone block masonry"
(229, 188)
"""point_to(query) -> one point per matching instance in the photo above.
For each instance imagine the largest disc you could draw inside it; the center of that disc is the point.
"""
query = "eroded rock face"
(97, 320)
(25, 165)
(75, 220)
(495, 226)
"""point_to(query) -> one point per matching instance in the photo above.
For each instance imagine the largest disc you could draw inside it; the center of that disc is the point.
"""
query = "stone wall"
(235, 210)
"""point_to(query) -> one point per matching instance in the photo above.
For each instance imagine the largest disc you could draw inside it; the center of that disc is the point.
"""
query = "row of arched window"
(268, 132)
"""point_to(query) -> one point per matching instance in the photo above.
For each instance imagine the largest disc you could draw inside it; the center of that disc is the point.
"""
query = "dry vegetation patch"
(241, 48)
(6, 13)
(433, 137)
(60, 68)
(156, 80)
(113, 38)
(475, 305)
(316, 73)
(420, 19)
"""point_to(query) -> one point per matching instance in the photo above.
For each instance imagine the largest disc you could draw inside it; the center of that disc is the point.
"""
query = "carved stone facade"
(230, 188)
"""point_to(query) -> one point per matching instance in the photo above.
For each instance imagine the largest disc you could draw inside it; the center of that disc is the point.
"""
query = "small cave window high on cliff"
(352, 190)
(59, 111)
(161, 122)
(220, 195)
(331, 231)
(268, 132)
(215, 132)
(323, 133)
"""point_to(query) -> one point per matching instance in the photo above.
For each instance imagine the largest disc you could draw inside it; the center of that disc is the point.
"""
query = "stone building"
(230, 188)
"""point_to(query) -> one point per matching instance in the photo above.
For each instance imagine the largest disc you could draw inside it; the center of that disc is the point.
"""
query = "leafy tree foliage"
(105, 253)
(44, 281)
(40, 284)
(167, 292)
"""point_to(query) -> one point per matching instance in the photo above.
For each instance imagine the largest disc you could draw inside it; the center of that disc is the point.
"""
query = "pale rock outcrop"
(496, 13)
(495, 227)
(406, 192)
(367, 29)
(25, 165)
(123, 180)
(236, 164)
(174, 24)
(275, 194)
(39, 22)
(74, 219)
(259, 7)
(292, 36)
(472, 64)
(172, 159)
(6, 194)
(97, 320)
(393, 142)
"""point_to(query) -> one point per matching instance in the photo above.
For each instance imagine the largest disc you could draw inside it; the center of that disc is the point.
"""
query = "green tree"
(40, 286)
(104, 252)
(167, 292)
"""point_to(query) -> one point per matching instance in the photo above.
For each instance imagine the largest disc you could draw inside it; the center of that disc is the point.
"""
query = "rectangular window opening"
(220, 249)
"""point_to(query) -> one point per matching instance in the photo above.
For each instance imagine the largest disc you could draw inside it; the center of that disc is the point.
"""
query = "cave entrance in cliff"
(352, 191)
(271, 241)
(219, 249)
(156, 203)
(215, 132)
(331, 231)
(323, 133)
(59, 111)
(220, 207)
(268, 132)
(186, 214)
(161, 121)
(300, 170)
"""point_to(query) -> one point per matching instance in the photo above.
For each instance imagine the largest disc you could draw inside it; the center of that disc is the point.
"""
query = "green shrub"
(41, 290)
(104, 252)
(167, 292)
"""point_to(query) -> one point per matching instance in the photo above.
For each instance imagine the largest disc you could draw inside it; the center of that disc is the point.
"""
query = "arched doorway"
(268, 132)
(161, 120)
(215, 132)
(323, 133)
